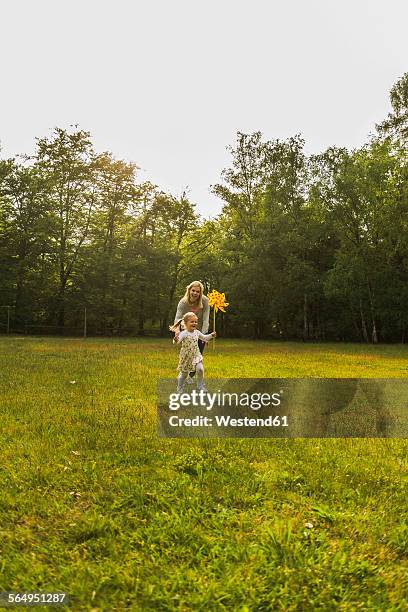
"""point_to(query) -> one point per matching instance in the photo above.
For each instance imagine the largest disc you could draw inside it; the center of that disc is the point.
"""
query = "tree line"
(308, 247)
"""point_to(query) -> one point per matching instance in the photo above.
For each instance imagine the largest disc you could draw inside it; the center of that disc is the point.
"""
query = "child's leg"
(200, 375)
(181, 379)
(201, 346)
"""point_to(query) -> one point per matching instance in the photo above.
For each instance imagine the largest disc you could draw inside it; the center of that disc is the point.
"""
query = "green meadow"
(95, 505)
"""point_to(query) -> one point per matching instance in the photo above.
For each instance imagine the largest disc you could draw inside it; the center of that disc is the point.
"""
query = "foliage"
(311, 247)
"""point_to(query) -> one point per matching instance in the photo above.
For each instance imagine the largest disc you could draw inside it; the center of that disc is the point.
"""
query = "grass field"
(94, 504)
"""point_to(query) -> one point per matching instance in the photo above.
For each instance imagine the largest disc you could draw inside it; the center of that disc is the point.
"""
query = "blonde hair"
(186, 296)
(185, 318)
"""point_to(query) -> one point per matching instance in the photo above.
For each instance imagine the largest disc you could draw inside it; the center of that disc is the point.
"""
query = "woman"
(195, 301)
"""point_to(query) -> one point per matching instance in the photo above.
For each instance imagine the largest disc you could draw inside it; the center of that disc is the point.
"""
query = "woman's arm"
(180, 311)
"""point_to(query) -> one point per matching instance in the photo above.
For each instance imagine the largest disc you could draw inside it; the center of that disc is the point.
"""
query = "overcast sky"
(167, 84)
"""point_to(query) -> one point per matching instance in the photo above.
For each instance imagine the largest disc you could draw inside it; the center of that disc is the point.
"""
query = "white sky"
(168, 83)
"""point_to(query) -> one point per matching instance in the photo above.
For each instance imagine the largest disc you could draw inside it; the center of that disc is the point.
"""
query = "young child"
(190, 357)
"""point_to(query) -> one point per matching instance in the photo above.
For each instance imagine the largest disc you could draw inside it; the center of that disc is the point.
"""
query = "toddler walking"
(191, 360)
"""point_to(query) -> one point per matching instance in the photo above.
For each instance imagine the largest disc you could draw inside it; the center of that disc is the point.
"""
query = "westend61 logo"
(284, 408)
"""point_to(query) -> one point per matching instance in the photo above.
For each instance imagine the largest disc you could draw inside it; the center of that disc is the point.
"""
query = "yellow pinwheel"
(217, 301)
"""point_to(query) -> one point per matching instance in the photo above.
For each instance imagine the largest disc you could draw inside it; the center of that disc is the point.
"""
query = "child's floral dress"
(190, 352)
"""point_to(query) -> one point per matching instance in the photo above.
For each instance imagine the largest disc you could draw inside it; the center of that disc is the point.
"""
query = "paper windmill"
(217, 300)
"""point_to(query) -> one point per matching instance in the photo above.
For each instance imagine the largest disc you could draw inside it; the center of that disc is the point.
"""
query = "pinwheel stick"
(213, 343)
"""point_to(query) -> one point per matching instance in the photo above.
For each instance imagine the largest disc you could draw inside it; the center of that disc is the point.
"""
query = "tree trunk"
(141, 330)
(259, 328)
(371, 298)
(124, 302)
(363, 323)
(305, 318)
(354, 319)
(19, 310)
(61, 300)
(61, 308)
(166, 314)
